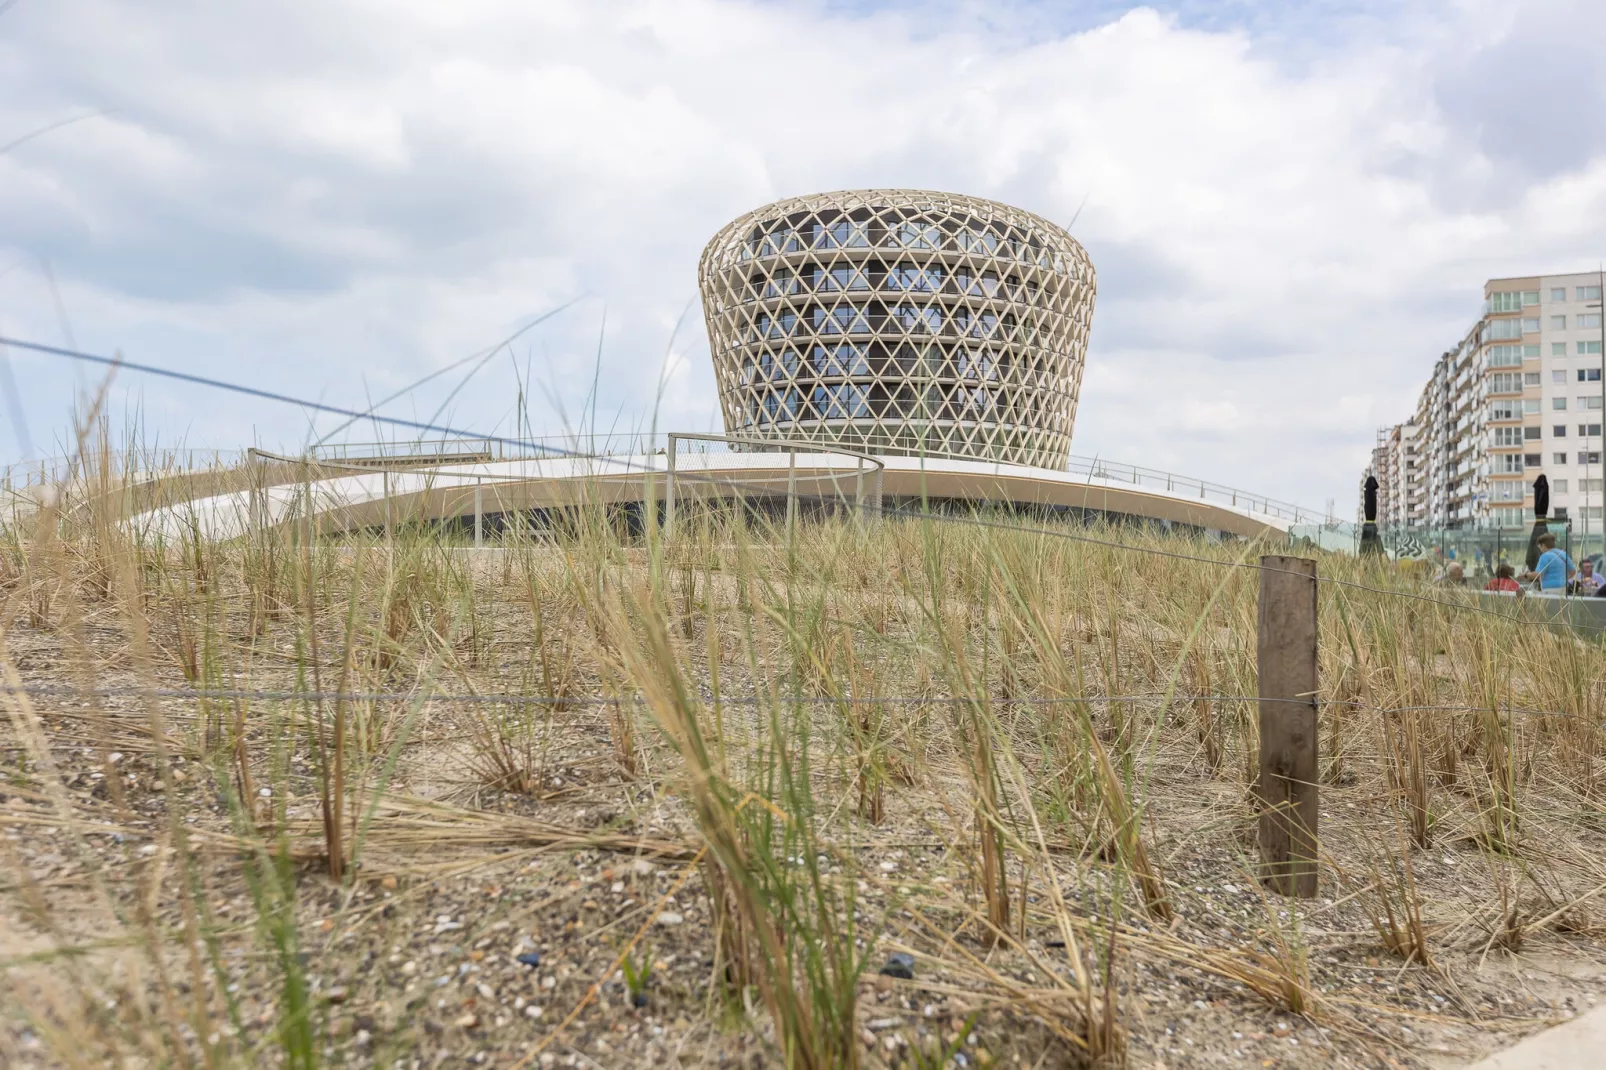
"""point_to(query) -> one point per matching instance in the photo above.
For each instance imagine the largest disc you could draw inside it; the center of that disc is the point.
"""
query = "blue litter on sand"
(531, 958)
(900, 965)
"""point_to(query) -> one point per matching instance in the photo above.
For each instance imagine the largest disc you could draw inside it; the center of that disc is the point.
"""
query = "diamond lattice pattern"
(900, 322)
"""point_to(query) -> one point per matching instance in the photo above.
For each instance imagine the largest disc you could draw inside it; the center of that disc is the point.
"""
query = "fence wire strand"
(577, 701)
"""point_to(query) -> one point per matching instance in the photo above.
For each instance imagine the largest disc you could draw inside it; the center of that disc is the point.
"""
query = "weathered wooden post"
(1287, 785)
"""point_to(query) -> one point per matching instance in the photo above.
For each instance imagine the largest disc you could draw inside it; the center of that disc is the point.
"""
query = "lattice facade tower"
(900, 322)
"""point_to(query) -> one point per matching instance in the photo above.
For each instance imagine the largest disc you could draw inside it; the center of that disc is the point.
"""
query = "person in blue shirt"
(1554, 569)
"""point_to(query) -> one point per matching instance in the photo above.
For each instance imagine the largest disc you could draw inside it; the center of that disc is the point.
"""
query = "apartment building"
(1522, 392)
(1394, 461)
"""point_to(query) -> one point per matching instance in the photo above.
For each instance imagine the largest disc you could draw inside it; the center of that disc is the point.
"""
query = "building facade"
(1394, 461)
(901, 322)
(1521, 393)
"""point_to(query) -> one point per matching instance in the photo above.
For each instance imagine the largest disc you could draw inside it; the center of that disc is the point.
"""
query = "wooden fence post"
(1287, 786)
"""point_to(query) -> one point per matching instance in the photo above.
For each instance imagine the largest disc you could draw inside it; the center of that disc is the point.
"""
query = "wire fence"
(709, 696)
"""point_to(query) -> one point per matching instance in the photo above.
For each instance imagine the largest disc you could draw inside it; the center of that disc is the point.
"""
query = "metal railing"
(876, 469)
(467, 450)
(49, 471)
(1112, 471)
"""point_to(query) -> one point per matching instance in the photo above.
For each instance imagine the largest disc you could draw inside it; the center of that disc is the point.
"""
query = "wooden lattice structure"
(901, 322)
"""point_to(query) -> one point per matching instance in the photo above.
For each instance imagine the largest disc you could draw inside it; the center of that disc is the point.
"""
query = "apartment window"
(1510, 302)
(1558, 349)
(1587, 319)
(1530, 325)
(1507, 382)
(1503, 329)
(1530, 378)
(1505, 356)
(1530, 405)
(1507, 491)
(1588, 293)
(1559, 404)
(1591, 402)
(1560, 430)
(1560, 513)
(1506, 464)
(1558, 293)
(1588, 457)
(1589, 486)
(1588, 429)
(1559, 486)
(1589, 375)
(1532, 460)
(1558, 458)
(1507, 436)
(1558, 323)
(1531, 434)
(1588, 348)
(1559, 375)
(1591, 512)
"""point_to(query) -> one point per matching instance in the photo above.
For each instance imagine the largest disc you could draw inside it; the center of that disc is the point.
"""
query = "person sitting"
(1453, 575)
(1503, 581)
(1588, 582)
(1554, 569)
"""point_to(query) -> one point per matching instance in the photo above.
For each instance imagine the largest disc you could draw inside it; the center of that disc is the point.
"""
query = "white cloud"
(334, 198)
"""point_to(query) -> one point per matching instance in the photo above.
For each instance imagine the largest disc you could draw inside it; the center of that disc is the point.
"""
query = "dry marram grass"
(305, 801)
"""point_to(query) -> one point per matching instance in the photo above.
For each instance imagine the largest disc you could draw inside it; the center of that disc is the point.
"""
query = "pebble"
(900, 965)
(669, 917)
(467, 1021)
(641, 867)
(878, 1024)
(409, 968)
(337, 994)
(532, 1011)
(486, 991)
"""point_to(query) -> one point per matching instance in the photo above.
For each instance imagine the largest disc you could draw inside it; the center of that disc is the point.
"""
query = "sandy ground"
(414, 960)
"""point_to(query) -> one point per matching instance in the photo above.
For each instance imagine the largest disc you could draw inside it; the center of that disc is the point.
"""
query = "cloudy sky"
(1291, 205)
